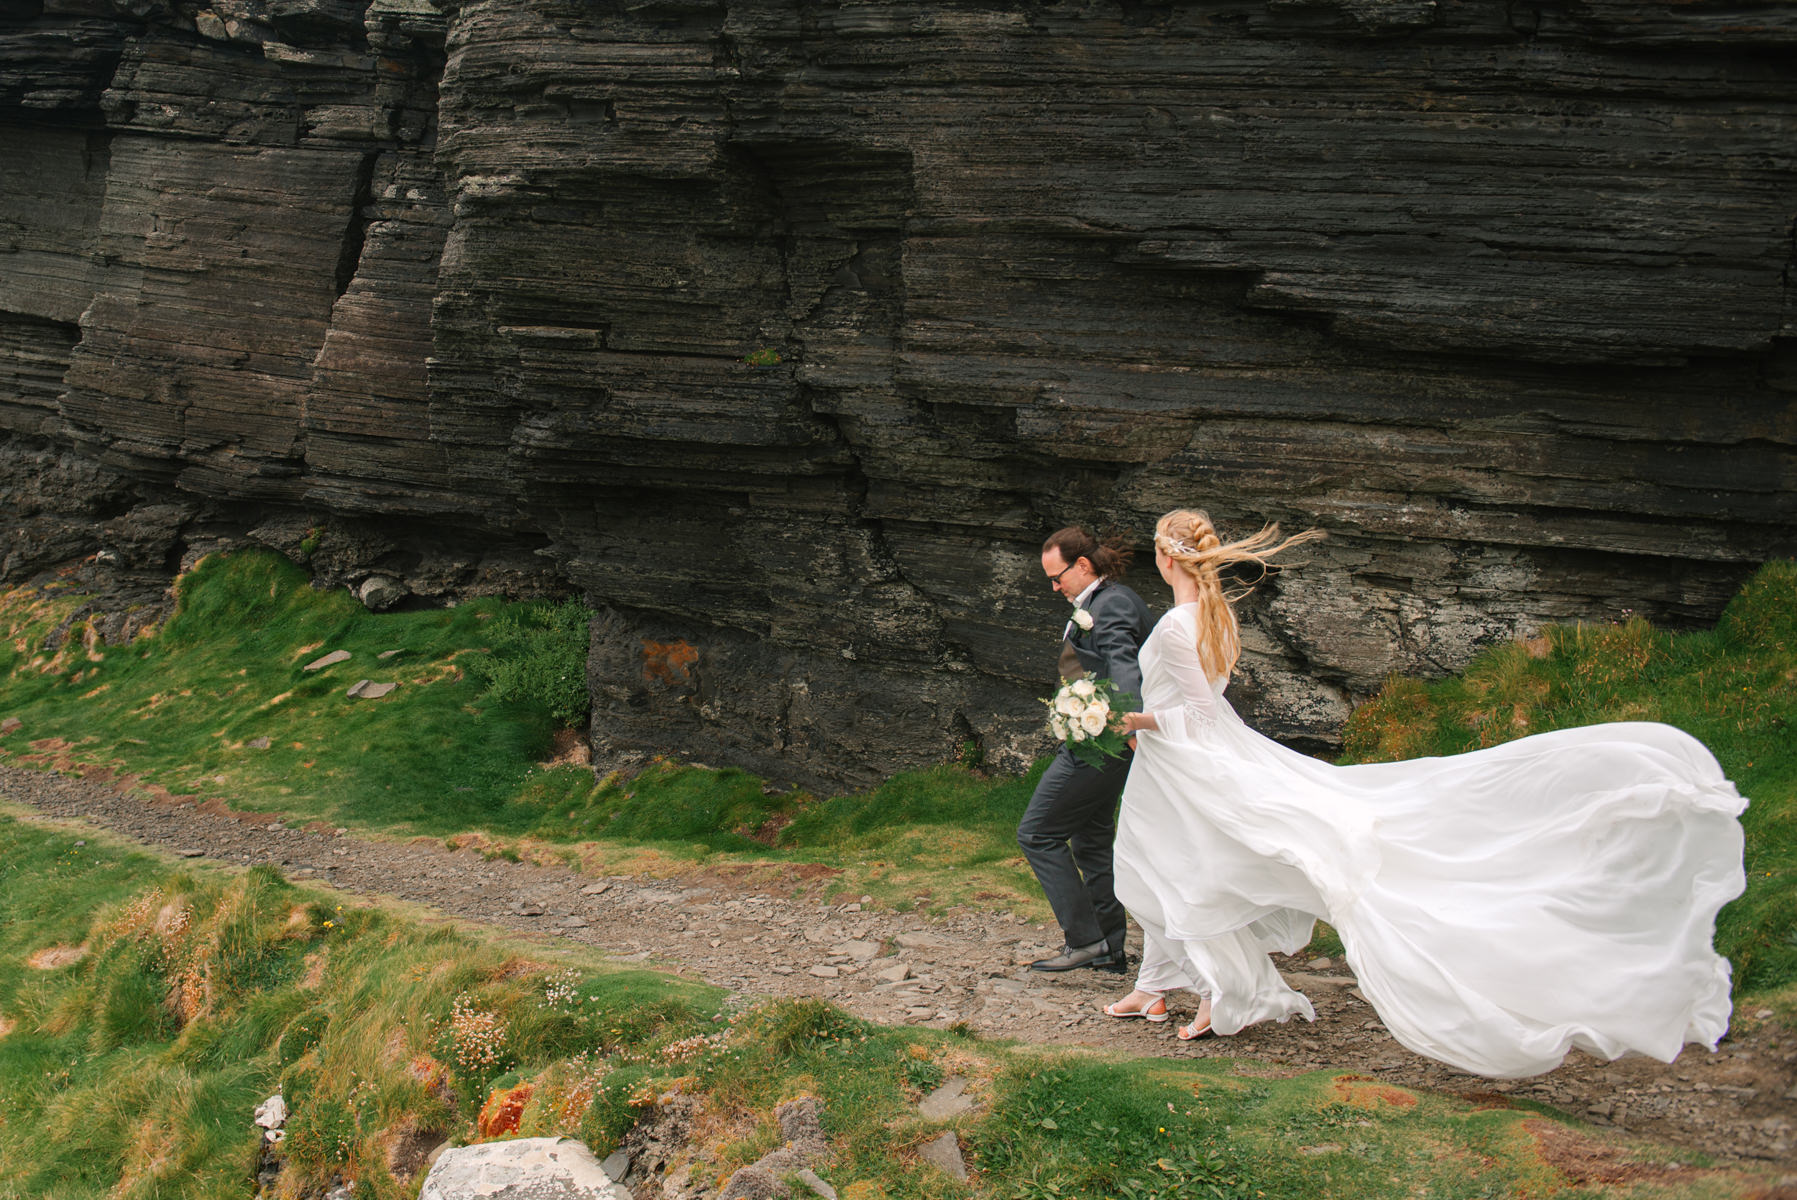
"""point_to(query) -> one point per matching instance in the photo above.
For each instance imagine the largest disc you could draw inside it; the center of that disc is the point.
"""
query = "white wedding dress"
(1498, 907)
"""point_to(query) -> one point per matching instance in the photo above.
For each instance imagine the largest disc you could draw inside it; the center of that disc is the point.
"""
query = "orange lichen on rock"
(668, 662)
(435, 1078)
(504, 1111)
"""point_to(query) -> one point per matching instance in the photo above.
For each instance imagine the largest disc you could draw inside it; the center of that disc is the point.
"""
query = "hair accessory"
(1173, 545)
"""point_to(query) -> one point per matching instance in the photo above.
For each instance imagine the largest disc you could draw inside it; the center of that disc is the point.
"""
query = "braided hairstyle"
(1109, 556)
(1188, 538)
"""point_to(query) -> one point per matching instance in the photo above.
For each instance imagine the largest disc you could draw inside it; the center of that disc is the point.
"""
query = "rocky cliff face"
(460, 293)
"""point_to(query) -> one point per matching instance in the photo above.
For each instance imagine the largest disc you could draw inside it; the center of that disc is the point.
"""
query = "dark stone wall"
(1500, 295)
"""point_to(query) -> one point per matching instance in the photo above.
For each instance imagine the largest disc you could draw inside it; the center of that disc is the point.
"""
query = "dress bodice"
(1174, 686)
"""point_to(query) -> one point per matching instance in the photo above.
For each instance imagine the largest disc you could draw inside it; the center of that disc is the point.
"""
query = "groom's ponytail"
(1109, 556)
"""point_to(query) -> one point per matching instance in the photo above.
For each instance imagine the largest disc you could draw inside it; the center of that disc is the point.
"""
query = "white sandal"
(1111, 1009)
(1191, 1033)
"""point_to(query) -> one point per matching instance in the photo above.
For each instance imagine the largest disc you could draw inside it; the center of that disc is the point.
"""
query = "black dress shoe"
(1115, 962)
(1072, 957)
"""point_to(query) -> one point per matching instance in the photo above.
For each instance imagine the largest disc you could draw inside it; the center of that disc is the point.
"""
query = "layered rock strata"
(461, 294)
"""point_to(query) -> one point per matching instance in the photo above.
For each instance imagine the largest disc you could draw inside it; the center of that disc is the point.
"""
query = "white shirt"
(1079, 603)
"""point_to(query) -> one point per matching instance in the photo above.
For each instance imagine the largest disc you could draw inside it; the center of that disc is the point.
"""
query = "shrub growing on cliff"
(540, 655)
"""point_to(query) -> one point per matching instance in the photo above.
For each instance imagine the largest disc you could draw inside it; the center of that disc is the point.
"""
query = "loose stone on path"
(858, 950)
(329, 660)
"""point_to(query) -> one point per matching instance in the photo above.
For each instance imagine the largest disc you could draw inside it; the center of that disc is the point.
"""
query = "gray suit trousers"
(1066, 834)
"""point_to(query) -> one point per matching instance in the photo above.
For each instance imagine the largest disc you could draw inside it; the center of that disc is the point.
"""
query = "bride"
(1497, 907)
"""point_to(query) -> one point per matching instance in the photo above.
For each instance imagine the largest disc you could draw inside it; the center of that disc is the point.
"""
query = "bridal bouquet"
(1084, 714)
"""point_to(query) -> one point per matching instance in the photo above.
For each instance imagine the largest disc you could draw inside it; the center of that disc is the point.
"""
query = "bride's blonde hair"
(1188, 538)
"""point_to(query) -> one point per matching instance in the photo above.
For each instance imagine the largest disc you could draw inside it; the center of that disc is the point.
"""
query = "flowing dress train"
(1497, 907)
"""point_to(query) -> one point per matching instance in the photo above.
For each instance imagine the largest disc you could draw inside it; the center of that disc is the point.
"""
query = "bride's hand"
(1135, 722)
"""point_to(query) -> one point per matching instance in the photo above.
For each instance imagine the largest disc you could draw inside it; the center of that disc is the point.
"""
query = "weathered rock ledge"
(460, 293)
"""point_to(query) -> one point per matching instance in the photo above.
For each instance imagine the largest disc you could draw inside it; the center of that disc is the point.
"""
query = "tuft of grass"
(1733, 687)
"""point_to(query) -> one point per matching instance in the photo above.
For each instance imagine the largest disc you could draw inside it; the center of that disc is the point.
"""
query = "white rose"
(1068, 705)
(1092, 721)
(1075, 733)
(1057, 724)
(1082, 688)
(1082, 618)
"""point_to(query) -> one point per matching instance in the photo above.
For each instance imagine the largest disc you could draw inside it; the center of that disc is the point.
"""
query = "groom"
(1067, 830)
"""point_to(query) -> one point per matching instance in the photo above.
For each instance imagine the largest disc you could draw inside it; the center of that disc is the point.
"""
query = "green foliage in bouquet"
(1085, 715)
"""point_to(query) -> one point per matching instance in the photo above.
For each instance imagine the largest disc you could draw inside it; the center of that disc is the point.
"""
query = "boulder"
(381, 592)
(753, 1183)
(543, 1168)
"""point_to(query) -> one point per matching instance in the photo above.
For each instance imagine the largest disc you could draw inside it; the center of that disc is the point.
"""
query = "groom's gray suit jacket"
(1120, 624)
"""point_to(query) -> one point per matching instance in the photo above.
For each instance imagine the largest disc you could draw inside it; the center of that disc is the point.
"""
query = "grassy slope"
(182, 707)
(132, 1073)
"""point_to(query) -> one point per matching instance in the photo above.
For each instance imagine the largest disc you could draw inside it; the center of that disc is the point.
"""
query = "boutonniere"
(1082, 618)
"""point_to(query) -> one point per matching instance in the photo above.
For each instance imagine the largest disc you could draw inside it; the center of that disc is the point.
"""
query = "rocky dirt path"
(1738, 1104)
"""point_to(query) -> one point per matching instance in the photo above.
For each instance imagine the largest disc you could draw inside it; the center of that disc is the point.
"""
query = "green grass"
(939, 836)
(1733, 687)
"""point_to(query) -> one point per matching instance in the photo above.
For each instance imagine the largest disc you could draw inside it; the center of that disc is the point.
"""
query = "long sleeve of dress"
(1198, 699)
